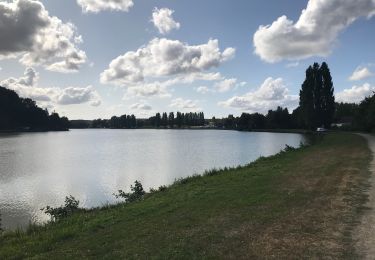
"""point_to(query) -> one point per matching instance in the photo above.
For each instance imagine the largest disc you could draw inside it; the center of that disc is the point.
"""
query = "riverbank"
(300, 203)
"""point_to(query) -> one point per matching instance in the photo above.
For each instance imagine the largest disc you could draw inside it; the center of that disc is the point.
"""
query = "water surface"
(39, 169)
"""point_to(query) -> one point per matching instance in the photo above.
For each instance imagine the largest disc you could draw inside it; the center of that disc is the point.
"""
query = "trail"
(365, 233)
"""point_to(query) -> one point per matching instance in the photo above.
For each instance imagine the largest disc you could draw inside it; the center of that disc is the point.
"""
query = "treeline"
(160, 120)
(172, 121)
(357, 117)
(22, 114)
(121, 122)
(274, 119)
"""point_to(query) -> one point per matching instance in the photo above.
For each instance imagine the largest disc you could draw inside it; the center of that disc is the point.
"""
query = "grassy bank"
(301, 203)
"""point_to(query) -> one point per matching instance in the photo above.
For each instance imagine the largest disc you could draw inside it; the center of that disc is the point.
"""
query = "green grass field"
(298, 204)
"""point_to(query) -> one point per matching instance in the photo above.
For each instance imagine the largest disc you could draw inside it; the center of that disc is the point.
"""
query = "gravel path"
(365, 233)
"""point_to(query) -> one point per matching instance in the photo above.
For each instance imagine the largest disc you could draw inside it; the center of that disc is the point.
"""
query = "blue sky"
(253, 70)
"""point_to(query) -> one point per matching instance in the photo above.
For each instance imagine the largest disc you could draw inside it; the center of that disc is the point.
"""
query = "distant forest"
(160, 120)
(22, 114)
(317, 108)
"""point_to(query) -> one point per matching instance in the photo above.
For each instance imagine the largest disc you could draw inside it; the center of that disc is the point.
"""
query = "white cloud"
(29, 32)
(95, 6)
(140, 106)
(272, 93)
(315, 32)
(225, 85)
(161, 58)
(203, 90)
(355, 94)
(163, 20)
(74, 95)
(154, 89)
(26, 86)
(185, 105)
(292, 64)
(360, 73)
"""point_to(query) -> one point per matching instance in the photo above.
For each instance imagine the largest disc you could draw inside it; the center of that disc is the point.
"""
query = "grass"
(298, 204)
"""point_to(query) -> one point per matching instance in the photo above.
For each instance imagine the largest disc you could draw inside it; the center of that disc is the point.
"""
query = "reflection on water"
(39, 169)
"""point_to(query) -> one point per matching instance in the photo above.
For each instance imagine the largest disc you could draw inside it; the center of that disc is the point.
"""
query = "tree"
(317, 102)
(18, 113)
(164, 119)
(328, 98)
(171, 119)
(365, 118)
(179, 119)
(157, 120)
(306, 100)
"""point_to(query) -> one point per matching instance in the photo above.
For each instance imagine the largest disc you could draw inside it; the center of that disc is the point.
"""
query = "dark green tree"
(171, 119)
(317, 101)
(328, 97)
(306, 100)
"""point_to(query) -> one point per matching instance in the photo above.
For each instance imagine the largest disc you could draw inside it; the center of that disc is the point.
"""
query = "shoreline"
(288, 191)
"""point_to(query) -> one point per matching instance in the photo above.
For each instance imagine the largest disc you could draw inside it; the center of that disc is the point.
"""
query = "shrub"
(160, 189)
(136, 194)
(289, 148)
(56, 214)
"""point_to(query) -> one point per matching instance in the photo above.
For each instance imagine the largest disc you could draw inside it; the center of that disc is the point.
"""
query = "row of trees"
(180, 120)
(121, 122)
(23, 114)
(160, 120)
(275, 119)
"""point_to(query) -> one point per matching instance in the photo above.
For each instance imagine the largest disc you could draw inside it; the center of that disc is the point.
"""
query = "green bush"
(136, 194)
(56, 214)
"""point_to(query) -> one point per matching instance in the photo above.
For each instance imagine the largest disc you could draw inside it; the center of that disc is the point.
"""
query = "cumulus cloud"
(163, 20)
(163, 58)
(203, 90)
(140, 106)
(355, 94)
(95, 6)
(225, 85)
(315, 32)
(29, 32)
(185, 104)
(26, 86)
(360, 73)
(154, 89)
(272, 93)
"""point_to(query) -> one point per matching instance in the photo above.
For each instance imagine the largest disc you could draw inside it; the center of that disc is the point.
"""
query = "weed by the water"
(71, 206)
(136, 194)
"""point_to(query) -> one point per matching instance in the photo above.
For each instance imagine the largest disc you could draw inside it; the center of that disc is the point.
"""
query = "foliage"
(23, 114)
(56, 214)
(160, 189)
(136, 194)
(289, 148)
(180, 120)
(317, 101)
(345, 112)
(365, 117)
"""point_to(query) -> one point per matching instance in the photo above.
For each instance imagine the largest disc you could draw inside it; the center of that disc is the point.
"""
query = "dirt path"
(365, 233)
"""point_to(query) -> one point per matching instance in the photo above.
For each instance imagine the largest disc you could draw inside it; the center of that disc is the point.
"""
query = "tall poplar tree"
(317, 101)
(328, 98)
(306, 100)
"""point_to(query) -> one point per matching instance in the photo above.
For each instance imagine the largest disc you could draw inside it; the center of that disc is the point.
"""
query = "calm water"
(39, 169)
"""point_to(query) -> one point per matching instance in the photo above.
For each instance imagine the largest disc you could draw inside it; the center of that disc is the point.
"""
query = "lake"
(39, 169)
